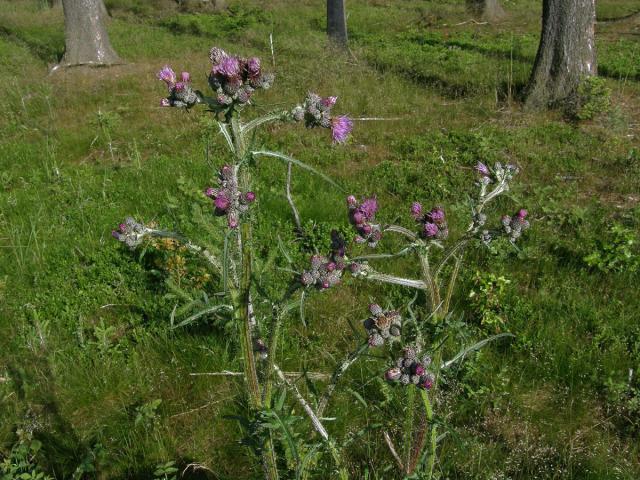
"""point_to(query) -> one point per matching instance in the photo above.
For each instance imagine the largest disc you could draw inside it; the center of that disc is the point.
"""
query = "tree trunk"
(86, 38)
(566, 54)
(490, 10)
(337, 22)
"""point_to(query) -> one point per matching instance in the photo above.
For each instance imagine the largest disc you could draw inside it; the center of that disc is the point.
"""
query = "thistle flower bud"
(393, 374)
(298, 113)
(427, 381)
(482, 169)
(416, 210)
(307, 279)
(376, 340)
(409, 353)
(131, 233)
(249, 197)
(375, 309)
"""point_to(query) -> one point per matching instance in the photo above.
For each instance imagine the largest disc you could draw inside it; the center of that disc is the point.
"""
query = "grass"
(85, 324)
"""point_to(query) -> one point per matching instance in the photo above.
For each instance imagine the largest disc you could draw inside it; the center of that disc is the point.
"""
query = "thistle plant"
(413, 366)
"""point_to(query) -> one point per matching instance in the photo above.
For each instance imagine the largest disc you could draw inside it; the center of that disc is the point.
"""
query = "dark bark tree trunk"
(337, 22)
(490, 10)
(566, 54)
(86, 38)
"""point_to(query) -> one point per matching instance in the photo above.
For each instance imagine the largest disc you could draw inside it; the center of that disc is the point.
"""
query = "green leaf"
(358, 397)
(202, 313)
(463, 353)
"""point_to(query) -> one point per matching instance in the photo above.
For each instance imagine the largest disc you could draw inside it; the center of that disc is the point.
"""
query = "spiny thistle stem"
(408, 427)
(432, 288)
(432, 445)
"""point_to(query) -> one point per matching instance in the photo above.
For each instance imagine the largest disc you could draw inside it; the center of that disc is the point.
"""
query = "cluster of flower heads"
(500, 173)
(235, 79)
(382, 325)
(362, 216)
(228, 200)
(316, 112)
(131, 233)
(434, 223)
(410, 369)
(326, 271)
(180, 92)
(514, 226)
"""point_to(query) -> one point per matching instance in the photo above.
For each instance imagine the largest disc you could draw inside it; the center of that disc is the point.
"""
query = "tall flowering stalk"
(234, 81)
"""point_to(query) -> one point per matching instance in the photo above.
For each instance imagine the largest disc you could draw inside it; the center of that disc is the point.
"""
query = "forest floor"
(88, 358)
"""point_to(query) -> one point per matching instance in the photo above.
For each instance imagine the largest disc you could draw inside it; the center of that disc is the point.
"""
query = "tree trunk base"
(566, 54)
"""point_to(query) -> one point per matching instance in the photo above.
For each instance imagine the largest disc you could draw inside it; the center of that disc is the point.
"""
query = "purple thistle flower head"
(165, 102)
(341, 128)
(329, 102)
(430, 230)
(122, 227)
(358, 217)
(326, 284)
(232, 221)
(210, 192)
(253, 67)
(229, 67)
(416, 210)
(179, 86)
(436, 215)
(482, 169)
(369, 207)
(222, 202)
(419, 369)
(167, 75)
(522, 214)
(331, 266)
(185, 77)
(351, 201)
(249, 197)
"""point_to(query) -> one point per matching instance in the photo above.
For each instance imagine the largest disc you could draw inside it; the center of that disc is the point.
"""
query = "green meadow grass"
(87, 349)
